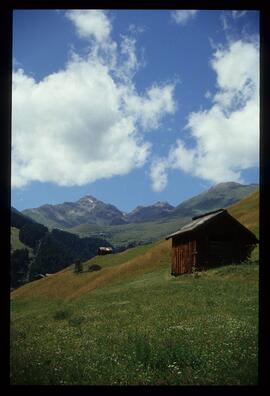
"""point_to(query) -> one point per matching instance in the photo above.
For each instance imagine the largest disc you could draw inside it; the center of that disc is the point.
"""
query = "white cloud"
(158, 174)
(180, 157)
(183, 16)
(86, 121)
(238, 14)
(150, 108)
(225, 22)
(135, 29)
(91, 24)
(129, 61)
(208, 94)
(237, 71)
(226, 135)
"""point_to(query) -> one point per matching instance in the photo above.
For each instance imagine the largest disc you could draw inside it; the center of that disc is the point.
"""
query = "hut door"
(184, 263)
(184, 257)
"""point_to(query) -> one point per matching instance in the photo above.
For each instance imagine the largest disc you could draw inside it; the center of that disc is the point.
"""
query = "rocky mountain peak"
(88, 202)
(226, 185)
(88, 198)
(163, 204)
(138, 208)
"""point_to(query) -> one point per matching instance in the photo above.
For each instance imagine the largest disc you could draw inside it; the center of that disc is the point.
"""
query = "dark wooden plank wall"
(218, 246)
(183, 256)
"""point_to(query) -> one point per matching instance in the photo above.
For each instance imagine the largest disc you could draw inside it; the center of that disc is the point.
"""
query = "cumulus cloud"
(158, 174)
(237, 70)
(151, 107)
(238, 14)
(86, 121)
(181, 17)
(227, 134)
(91, 24)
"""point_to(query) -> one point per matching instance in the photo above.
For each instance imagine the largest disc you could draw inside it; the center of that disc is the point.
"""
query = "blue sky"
(132, 106)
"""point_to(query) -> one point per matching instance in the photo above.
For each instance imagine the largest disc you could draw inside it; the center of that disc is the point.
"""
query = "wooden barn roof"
(199, 221)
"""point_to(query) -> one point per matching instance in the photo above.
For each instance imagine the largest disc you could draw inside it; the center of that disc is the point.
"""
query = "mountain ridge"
(87, 209)
(90, 210)
(218, 196)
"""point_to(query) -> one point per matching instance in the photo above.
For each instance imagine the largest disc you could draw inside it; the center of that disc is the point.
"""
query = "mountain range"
(90, 210)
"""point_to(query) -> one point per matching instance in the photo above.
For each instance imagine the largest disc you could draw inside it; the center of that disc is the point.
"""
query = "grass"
(40, 218)
(131, 323)
(66, 284)
(15, 241)
(247, 212)
(141, 326)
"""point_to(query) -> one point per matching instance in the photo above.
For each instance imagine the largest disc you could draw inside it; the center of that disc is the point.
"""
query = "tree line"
(51, 250)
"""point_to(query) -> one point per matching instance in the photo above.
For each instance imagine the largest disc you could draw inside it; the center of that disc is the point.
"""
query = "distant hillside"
(18, 219)
(220, 196)
(148, 213)
(36, 250)
(128, 235)
(247, 212)
(15, 240)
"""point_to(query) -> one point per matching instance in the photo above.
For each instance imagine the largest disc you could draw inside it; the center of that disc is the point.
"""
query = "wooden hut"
(211, 239)
(104, 250)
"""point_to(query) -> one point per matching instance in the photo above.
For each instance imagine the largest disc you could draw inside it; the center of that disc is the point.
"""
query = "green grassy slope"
(14, 239)
(247, 212)
(67, 284)
(220, 196)
(39, 217)
(132, 323)
(15, 242)
(147, 329)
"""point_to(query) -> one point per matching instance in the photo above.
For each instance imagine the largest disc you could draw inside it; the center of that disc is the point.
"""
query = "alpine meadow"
(135, 236)
(132, 323)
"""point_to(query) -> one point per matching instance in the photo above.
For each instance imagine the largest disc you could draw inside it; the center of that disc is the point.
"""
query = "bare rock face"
(152, 212)
(87, 210)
